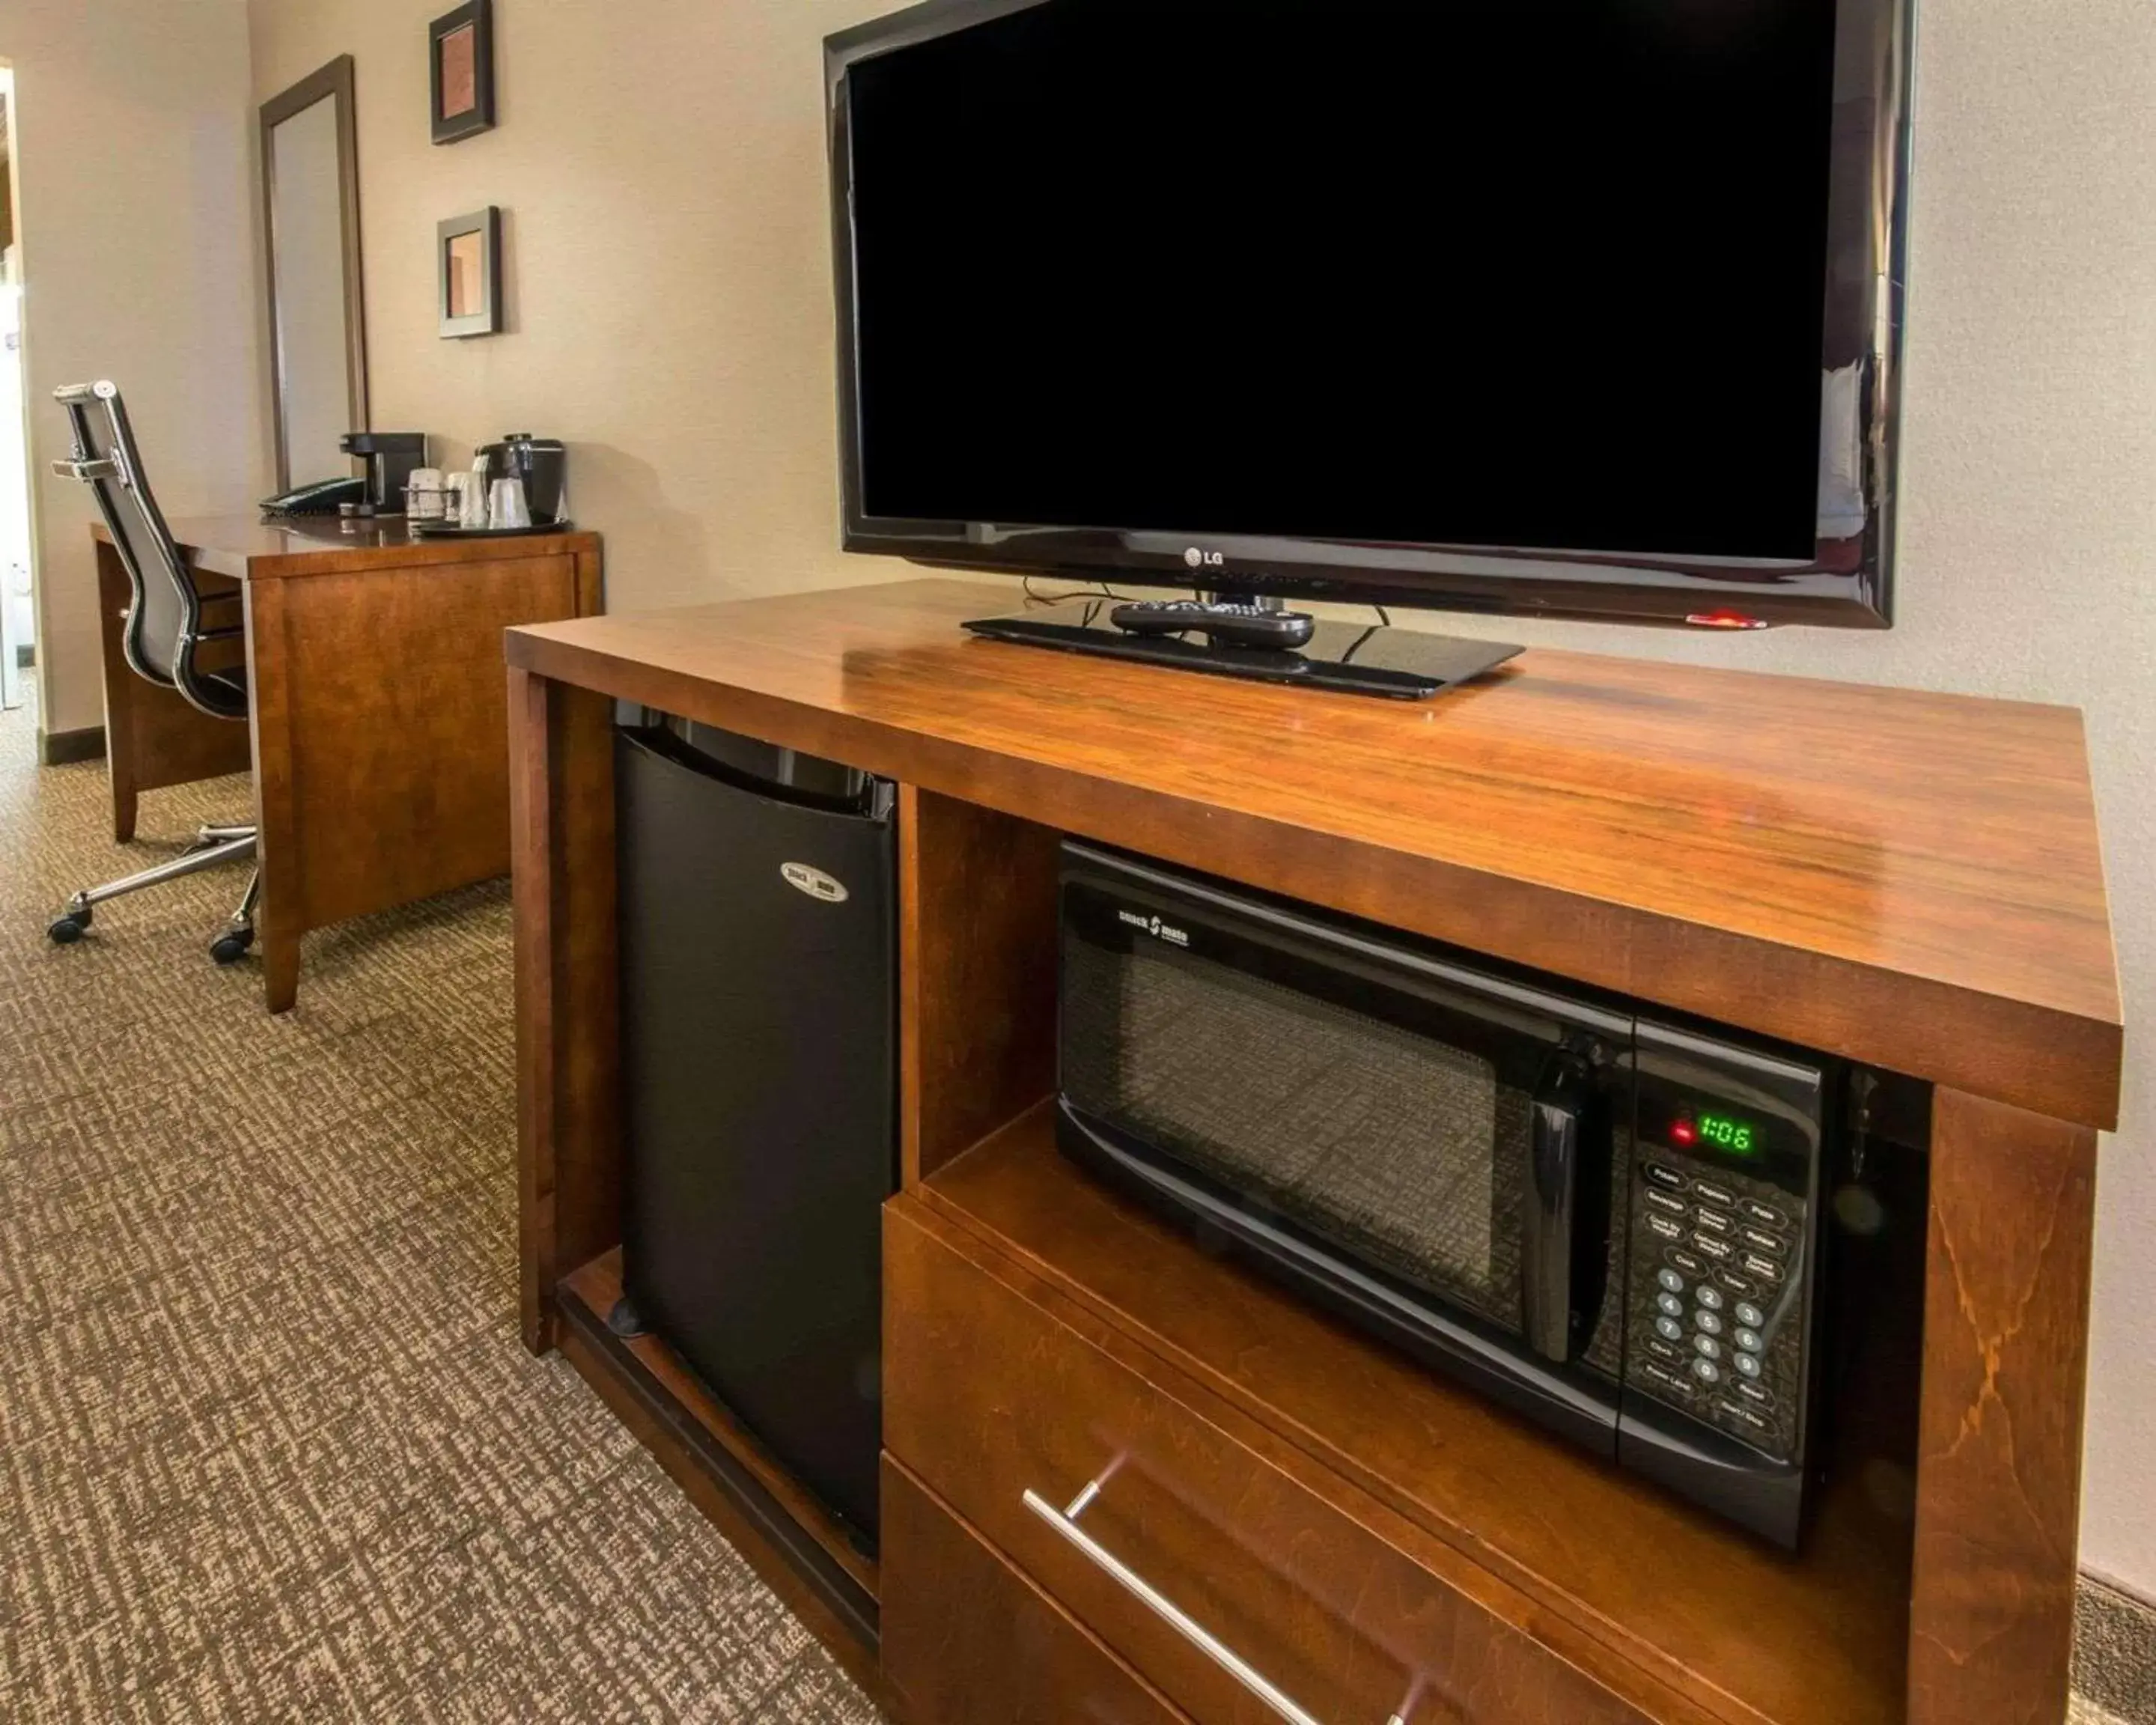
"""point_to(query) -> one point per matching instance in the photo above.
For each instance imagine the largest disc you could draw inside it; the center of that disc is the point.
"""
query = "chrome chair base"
(212, 848)
(231, 946)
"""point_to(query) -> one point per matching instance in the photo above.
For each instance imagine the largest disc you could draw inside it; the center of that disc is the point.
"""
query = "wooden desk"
(376, 734)
(1911, 881)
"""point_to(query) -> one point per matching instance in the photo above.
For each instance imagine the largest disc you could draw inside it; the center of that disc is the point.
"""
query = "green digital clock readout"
(1729, 1133)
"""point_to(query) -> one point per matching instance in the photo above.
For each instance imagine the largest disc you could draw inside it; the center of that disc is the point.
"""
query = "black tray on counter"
(445, 529)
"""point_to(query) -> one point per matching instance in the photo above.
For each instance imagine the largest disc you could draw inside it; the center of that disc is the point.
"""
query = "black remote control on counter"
(1237, 625)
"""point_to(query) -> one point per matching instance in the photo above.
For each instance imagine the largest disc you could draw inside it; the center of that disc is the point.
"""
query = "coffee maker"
(542, 463)
(391, 458)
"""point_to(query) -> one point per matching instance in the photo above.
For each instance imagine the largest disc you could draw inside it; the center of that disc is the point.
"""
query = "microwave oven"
(1608, 1219)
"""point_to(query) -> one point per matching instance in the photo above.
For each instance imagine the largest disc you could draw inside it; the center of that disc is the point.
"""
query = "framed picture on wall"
(460, 52)
(468, 258)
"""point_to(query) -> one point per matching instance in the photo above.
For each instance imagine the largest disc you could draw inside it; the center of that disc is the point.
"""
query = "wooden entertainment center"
(1906, 880)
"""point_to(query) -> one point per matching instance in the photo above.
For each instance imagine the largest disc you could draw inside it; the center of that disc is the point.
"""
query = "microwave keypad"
(1716, 1280)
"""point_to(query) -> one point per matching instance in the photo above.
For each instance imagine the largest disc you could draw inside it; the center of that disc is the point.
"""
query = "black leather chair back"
(165, 631)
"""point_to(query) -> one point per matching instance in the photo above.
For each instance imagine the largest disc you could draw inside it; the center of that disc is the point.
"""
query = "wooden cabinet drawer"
(1009, 1404)
(969, 1640)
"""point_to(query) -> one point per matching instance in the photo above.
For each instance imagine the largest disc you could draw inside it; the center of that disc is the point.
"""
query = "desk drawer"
(967, 1640)
(1219, 1578)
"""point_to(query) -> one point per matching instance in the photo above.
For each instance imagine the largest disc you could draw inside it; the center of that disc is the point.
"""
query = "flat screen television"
(1585, 308)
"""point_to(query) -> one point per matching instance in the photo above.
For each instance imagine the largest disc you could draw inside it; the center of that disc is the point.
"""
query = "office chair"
(163, 637)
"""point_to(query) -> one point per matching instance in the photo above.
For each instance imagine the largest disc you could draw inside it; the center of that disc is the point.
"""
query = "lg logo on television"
(1204, 559)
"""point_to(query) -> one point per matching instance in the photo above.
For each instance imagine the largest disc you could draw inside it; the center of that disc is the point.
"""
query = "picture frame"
(467, 272)
(460, 69)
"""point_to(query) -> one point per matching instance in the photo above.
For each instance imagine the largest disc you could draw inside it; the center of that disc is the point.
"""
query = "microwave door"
(1559, 1399)
(1449, 1134)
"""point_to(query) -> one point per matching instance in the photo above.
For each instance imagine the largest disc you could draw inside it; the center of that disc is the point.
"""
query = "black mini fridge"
(759, 891)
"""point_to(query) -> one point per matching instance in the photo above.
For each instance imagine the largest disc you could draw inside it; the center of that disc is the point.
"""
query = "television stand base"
(1404, 665)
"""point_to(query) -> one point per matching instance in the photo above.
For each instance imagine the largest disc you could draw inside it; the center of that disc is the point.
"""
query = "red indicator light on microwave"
(1683, 1132)
(1724, 620)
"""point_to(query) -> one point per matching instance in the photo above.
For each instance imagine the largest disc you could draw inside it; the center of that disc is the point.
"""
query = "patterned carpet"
(268, 1447)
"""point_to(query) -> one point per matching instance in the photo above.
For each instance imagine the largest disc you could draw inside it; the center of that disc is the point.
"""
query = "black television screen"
(1524, 305)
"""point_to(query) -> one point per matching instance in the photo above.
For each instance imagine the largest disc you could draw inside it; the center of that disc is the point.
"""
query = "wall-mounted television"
(1586, 308)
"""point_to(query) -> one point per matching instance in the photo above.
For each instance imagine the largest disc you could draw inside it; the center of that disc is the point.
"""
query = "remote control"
(1236, 625)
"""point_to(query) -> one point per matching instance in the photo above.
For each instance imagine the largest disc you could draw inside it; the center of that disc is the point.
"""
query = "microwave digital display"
(1748, 1132)
(1721, 1131)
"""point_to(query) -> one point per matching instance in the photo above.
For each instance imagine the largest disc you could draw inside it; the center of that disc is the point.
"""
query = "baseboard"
(63, 748)
(2115, 1652)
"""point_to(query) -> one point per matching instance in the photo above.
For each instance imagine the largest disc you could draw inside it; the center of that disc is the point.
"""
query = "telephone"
(323, 497)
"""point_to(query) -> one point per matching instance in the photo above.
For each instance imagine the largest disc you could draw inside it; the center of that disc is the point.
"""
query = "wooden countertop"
(248, 548)
(1909, 880)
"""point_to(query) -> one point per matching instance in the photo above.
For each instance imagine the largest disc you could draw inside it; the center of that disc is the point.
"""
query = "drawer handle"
(1065, 1521)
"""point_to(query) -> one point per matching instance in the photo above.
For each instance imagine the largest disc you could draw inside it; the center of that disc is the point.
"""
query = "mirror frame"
(333, 83)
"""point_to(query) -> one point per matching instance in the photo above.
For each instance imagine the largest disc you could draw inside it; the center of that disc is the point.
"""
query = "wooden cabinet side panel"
(280, 915)
(977, 973)
(567, 1015)
(2005, 1366)
(398, 751)
(532, 868)
(967, 1640)
(591, 581)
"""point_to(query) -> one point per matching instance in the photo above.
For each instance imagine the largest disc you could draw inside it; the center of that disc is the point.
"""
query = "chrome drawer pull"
(1065, 1523)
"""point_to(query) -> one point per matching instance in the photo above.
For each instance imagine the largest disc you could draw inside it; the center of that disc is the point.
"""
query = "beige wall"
(2028, 537)
(662, 170)
(133, 119)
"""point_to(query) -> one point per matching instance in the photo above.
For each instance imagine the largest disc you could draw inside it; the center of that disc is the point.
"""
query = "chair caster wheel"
(70, 928)
(231, 948)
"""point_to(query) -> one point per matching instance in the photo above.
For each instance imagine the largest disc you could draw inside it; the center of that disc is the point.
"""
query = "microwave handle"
(1559, 1115)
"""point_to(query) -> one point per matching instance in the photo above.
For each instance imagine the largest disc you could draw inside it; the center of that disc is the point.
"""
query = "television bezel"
(1849, 582)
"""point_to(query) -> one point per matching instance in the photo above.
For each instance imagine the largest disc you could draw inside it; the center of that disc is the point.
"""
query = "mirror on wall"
(317, 320)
